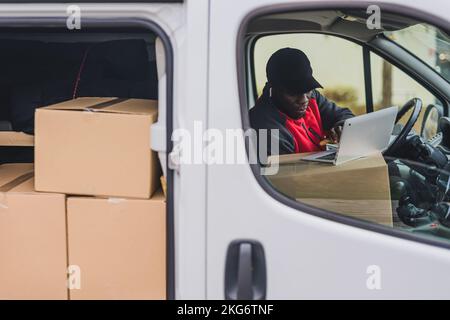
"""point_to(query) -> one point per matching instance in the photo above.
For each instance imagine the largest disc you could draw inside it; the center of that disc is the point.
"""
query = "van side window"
(389, 171)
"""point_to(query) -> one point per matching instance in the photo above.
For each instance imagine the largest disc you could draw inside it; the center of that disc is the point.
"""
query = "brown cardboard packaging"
(119, 246)
(96, 146)
(358, 188)
(33, 254)
(14, 138)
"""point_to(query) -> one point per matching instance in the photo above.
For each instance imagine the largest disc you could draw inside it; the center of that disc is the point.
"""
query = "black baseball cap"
(291, 69)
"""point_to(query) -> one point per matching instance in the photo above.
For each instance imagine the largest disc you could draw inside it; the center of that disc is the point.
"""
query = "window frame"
(242, 74)
(368, 83)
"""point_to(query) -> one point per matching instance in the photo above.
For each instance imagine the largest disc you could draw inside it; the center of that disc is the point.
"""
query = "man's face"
(292, 104)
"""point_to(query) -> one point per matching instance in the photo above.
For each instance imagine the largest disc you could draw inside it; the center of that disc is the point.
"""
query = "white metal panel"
(307, 257)
(190, 182)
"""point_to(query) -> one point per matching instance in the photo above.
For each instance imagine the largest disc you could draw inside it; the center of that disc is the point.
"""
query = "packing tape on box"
(15, 182)
(12, 184)
(103, 105)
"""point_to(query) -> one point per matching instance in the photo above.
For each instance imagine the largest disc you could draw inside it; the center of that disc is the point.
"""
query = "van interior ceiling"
(350, 23)
(42, 67)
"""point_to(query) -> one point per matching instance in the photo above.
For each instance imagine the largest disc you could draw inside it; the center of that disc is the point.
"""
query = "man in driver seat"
(290, 103)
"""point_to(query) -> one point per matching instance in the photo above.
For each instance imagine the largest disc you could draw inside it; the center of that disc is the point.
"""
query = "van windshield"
(428, 43)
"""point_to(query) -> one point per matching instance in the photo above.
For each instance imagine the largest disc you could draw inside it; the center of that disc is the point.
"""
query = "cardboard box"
(96, 146)
(33, 252)
(119, 246)
(358, 188)
(17, 139)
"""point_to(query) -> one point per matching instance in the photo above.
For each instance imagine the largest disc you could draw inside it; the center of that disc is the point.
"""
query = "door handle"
(245, 271)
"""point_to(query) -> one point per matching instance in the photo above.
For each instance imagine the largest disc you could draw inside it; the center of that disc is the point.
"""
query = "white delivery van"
(375, 228)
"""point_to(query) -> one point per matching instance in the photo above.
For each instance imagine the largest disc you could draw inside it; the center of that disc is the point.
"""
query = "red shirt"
(307, 131)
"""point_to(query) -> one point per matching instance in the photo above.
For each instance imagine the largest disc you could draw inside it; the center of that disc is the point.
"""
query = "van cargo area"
(41, 69)
(79, 182)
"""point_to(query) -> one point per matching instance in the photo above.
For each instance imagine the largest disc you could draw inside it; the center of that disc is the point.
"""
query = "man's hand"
(335, 134)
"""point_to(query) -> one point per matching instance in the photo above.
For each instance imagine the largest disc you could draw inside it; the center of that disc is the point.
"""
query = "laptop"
(361, 136)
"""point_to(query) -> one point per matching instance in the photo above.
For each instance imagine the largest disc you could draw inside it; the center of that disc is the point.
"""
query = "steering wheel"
(415, 103)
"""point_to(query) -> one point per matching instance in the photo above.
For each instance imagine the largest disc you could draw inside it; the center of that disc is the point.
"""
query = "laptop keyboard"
(328, 157)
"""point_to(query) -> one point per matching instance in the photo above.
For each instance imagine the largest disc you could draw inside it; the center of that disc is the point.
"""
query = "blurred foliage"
(346, 97)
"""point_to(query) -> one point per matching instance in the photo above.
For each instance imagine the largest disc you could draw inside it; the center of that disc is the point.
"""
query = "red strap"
(75, 89)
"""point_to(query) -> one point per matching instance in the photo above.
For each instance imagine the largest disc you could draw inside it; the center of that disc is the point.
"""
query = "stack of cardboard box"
(93, 209)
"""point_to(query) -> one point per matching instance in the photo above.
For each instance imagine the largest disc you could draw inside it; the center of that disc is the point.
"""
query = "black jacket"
(264, 115)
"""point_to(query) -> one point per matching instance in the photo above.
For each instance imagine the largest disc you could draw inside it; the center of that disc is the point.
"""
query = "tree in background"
(387, 84)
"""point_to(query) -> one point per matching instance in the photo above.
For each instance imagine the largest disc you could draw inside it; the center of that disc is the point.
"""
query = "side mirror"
(430, 123)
